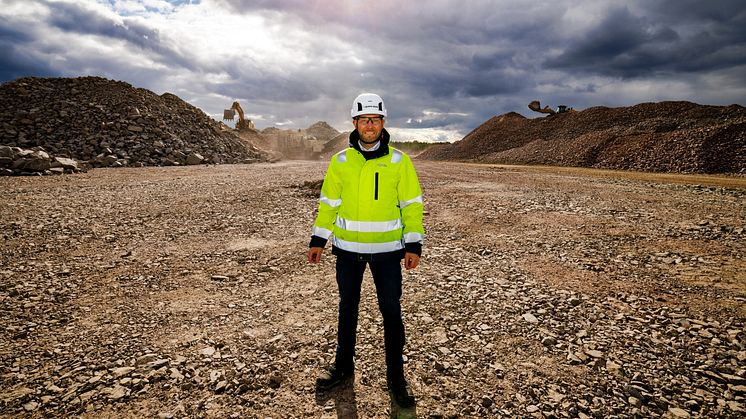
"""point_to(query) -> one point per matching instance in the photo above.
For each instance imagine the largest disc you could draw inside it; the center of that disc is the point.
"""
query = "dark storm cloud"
(627, 45)
(275, 88)
(12, 32)
(697, 11)
(17, 64)
(494, 74)
(71, 17)
(491, 83)
(463, 83)
(16, 60)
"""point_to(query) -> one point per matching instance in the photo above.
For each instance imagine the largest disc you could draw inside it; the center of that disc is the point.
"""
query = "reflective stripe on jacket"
(370, 206)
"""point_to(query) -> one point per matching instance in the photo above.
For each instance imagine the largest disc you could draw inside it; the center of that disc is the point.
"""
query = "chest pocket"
(375, 193)
(385, 182)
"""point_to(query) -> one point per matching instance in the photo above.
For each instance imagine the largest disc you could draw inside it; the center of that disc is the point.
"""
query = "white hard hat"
(368, 103)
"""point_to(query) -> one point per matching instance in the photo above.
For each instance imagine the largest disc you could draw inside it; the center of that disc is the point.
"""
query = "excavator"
(243, 123)
(536, 107)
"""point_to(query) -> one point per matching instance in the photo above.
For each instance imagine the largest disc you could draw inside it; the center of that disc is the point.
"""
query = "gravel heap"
(680, 137)
(110, 123)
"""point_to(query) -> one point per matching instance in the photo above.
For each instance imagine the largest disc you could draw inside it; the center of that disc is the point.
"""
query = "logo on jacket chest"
(381, 165)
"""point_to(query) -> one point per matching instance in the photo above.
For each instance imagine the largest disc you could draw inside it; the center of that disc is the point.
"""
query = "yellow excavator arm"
(237, 107)
(242, 121)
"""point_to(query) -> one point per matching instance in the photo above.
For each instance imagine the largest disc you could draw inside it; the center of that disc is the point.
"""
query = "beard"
(369, 136)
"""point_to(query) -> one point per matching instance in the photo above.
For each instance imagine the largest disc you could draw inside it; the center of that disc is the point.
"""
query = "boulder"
(31, 161)
(194, 158)
(65, 163)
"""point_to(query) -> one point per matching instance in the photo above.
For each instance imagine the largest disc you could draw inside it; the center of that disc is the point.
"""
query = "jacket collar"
(383, 149)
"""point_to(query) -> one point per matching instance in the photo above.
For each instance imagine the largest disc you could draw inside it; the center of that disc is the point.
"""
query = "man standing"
(371, 202)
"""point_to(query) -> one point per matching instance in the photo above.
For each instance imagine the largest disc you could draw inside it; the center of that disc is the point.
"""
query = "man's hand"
(411, 260)
(314, 254)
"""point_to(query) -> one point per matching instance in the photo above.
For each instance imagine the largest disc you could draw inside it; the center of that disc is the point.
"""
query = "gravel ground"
(543, 292)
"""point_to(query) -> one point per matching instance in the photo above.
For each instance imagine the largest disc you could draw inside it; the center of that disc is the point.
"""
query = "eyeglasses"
(375, 120)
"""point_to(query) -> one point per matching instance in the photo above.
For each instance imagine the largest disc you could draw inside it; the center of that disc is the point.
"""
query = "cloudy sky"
(442, 66)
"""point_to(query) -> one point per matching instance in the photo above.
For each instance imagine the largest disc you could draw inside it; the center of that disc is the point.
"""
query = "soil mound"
(111, 123)
(680, 137)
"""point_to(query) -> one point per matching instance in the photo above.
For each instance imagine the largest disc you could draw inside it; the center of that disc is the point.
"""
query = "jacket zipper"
(375, 194)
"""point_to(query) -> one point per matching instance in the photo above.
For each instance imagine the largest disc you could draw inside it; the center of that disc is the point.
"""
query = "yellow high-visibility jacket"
(372, 207)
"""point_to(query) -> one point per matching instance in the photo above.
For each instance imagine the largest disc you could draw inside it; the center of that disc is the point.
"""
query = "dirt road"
(184, 292)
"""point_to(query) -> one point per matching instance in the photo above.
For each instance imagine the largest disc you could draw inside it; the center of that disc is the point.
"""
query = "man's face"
(369, 127)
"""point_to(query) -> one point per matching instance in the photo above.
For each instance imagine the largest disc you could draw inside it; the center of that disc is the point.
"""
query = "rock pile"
(110, 123)
(17, 161)
(681, 137)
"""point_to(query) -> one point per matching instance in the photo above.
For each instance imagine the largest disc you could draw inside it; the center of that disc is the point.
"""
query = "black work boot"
(333, 377)
(401, 393)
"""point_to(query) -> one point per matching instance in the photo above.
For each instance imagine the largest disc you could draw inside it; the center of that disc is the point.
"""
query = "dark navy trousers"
(387, 277)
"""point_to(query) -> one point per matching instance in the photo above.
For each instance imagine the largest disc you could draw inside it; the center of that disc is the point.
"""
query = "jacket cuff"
(415, 248)
(317, 241)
